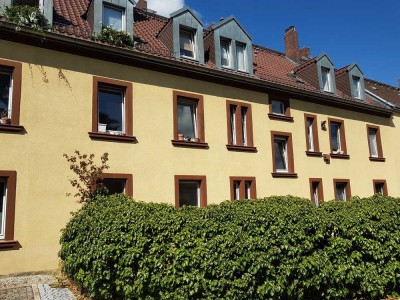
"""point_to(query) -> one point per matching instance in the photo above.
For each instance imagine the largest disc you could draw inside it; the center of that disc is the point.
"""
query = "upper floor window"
(279, 108)
(226, 60)
(282, 154)
(113, 17)
(337, 139)
(241, 57)
(190, 191)
(243, 188)
(311, 135)
(6, 84)
(326, 79)
(375, 143)
(357, 87)
(240, 129)
(112, 110)
(187, 44)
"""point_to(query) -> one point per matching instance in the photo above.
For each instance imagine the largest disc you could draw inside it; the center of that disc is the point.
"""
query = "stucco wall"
(57, 119)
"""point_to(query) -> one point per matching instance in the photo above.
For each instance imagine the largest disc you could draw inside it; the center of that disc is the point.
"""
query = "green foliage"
(114, 37)
(273, 248)
(25, 15)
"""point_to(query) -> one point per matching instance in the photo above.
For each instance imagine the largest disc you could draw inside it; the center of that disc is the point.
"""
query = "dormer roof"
(184, 10)
(230, 19)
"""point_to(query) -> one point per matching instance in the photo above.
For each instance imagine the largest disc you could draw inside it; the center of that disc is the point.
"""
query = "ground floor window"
(190, 191)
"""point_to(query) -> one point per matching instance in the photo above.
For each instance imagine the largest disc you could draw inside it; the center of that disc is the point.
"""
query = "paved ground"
(34, 287)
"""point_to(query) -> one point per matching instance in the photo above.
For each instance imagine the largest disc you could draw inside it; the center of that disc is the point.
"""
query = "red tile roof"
(384, 91)
(269, 65)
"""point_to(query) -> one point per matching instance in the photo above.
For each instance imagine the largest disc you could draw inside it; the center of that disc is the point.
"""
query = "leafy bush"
(114, 37)
(25, 15)
(273, 248)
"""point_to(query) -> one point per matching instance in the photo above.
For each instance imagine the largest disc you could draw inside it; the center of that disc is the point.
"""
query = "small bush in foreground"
(273, 248)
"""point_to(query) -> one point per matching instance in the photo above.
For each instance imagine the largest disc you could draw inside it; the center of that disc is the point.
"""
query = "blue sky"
(366, 32)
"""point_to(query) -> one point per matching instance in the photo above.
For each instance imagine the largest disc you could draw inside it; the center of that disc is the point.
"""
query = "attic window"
(113, 17)
(187, 44)
(241, 57)
(226, 54)
(326, 80)
(356, 87)
(34, 3)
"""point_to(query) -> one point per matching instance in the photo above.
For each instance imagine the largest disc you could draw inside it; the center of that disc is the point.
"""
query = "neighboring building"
(260, 122)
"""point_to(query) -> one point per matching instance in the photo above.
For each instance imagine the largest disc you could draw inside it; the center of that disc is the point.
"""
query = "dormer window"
(113, 17)
(226, 54)
(356, 87)
(326, 80)
(241, 57)
(187, 44)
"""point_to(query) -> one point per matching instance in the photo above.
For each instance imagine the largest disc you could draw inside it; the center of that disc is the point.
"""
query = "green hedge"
(274, 248)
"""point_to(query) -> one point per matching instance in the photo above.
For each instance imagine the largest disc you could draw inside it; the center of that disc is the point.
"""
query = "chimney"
(142, 4)
(304, 52)
(292, 44)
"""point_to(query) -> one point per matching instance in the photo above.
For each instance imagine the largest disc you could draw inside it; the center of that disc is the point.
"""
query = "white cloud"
(165, 7)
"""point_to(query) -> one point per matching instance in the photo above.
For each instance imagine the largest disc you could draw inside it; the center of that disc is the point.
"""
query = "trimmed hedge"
(274, 248)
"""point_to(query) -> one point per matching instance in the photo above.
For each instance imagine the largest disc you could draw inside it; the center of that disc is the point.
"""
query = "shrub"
(25, 15)
(114, 37)
(273, 248)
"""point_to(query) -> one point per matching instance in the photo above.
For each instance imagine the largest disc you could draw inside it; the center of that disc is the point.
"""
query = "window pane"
(278, 107)
(315, 186)
(114, 186)
(244, 125)
(356, 87)
(189, 193)
(335, 137)
(236, 190)
(280, 155)
(225, 54)
(310, 136)
(186, 44)
(326, 79)
(241, 57)
(111, 107)
(112, 17)
(187, 115)
(26, 2)
(379, 188)
(2, 207)
(372, 142)
(5, 93)
(247, 186)
(233, 123)
(341, 191)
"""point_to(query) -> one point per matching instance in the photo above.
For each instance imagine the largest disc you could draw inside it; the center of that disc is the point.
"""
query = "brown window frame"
(348, 188)
(200, 121)
(378, 144)
(343, 144)
(16, 69)
(320, 190)
(289, 145)
(128, 181)
(316, 151)
(286, 101)
(123, 85)
(9, 241)
(203, 187)
(242, 193)
(239, 146)
(380, 181)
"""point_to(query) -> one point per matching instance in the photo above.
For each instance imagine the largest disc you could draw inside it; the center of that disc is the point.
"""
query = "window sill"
(280, 117)
(11, 128)
(284, 175)
(381, 159)
(241, 148)
(112, 137)
(8, 244)
(339, 156)
(314, 153)
(188, 144)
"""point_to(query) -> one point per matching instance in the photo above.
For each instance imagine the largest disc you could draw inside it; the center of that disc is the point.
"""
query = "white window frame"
(112, 89)
(357, 87)
(192, 40)
(194, 113)
(327, 84)
(281, 105)
(10, 92)
(232, 112)
(243, 115)
(236, 190)
(285, 154)
(244, 47)
(247, 189)
(3, 223)
(227, 43)
(123, 16)
(310, 136)
(339, 139)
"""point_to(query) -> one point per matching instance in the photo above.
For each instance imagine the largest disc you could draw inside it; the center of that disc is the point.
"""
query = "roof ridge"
(269, 49)
(153, 14)
(384, 84)
(303, 65)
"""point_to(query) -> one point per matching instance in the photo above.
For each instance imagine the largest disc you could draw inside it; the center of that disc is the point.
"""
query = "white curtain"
(372, 142)
(310, 134)
(240, 57)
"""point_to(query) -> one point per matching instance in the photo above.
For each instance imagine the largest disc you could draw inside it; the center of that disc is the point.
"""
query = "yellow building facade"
(56, 112)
